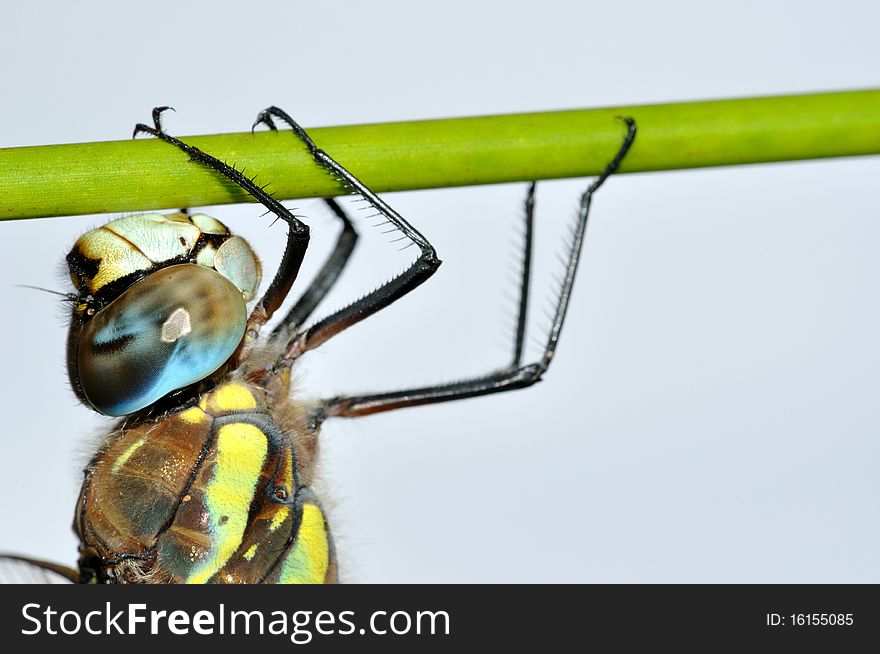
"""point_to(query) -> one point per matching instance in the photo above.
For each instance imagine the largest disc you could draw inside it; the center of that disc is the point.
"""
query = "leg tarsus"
(264, 118)
(156, 129)
(157, 115)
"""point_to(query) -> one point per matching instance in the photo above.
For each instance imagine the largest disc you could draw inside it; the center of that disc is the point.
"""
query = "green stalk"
(146, 174)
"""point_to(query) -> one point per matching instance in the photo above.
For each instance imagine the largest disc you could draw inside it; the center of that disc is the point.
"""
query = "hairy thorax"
(218, 491)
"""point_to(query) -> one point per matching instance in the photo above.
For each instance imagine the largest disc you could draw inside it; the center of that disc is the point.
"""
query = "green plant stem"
(146, 174)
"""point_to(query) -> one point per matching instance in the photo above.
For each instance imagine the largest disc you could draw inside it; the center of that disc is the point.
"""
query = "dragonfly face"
(208, 477)
(161, 305)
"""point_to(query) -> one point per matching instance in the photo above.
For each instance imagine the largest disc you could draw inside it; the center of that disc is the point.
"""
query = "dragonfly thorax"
(215, 492)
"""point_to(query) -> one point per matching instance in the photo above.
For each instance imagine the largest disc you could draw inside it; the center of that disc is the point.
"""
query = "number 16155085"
(809, 620)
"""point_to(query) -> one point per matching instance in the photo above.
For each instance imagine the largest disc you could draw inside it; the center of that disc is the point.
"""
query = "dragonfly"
(208, 475)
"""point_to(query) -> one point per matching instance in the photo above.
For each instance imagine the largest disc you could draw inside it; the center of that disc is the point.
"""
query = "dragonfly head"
(161, 304)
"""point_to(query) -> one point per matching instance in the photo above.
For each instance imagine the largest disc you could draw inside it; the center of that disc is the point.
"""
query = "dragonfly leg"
(511, 377)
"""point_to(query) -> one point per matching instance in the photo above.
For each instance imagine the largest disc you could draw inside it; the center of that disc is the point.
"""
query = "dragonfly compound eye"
(172, 328)
(162, 306)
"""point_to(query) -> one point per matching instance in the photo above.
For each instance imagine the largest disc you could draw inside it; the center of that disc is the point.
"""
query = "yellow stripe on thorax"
(125, 456)
(278, 519)
(241, 451)
(308, 562)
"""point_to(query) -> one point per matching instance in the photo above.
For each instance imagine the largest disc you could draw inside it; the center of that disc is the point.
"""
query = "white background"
(711, 415)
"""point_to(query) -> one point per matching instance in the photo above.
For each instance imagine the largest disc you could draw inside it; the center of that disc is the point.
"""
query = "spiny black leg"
(525, 278)
(297, 231)
(326, 277)
(330, 271)
(506, 379)
(419, 271)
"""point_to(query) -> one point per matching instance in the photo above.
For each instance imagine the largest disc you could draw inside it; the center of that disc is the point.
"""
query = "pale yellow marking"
(116, 257)
(193, 415)
(279, 518)
(207, 224)
(176, 217)
(158, 237)
(241, 451)
(205, 257)
(308, 562)
(125, 456)
(134, 243)
(288, 470)
(250, 553)
(234, 397)
(177, 326)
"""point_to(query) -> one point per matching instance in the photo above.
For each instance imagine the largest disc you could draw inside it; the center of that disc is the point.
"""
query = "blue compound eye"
(171, 329)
